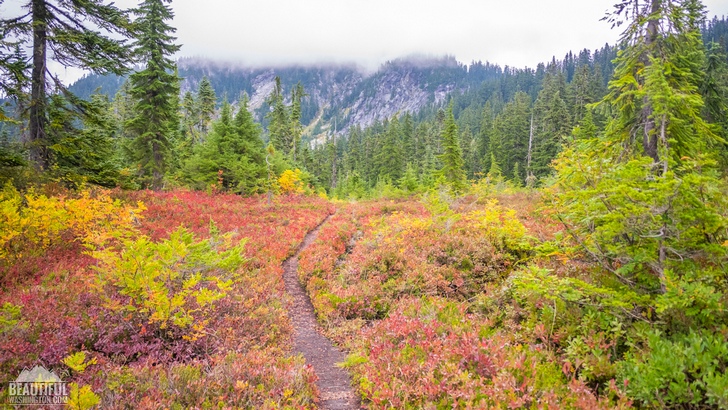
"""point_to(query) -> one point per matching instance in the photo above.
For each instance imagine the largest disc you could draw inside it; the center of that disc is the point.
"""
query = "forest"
(546, 238)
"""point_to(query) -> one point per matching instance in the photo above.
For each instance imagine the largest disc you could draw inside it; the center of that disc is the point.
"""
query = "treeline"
(146, 136)
(514, 123)
(508, 122)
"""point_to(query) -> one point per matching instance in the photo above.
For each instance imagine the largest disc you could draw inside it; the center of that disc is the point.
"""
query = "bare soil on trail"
(334, 383)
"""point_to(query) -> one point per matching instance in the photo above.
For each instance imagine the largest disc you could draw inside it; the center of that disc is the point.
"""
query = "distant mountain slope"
(339, 96)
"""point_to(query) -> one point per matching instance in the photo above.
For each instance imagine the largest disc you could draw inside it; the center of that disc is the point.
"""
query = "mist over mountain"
(338, 96)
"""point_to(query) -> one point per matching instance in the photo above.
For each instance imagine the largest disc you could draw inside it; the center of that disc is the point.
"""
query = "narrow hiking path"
(334, 383)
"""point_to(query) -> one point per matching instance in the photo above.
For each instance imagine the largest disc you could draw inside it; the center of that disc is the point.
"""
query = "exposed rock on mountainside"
(339, 96)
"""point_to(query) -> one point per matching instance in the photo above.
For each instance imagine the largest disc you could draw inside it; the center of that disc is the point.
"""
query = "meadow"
(176, 300)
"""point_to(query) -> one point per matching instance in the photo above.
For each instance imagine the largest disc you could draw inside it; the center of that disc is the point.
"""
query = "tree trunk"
(158, 159)
(649, 138)
(37, 139)
(530, 145)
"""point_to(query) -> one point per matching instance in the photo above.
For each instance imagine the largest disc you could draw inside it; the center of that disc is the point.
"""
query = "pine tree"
(509, 141)
(484, 136)
(517, 178)
(233, 154)
(470, 154)
(390, 156)
(452, 156)
(714, 89)
(155, 90)
(296, 131)
(87, 34)
(249, 149)
(190, 134)
(279, 128)
(494, 174)
(87, 154)
(206, 104)
(629, 195)
(13, 69)
(409, 181)
(581, 91)
(654, 91)
(409, 146)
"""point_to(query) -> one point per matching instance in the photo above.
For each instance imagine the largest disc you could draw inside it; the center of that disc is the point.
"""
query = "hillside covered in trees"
(193, 234)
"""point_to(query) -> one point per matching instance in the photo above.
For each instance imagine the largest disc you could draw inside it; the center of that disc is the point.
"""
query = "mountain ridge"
(339, 95)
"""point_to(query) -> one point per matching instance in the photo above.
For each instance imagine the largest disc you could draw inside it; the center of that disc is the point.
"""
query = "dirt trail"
(334, 383)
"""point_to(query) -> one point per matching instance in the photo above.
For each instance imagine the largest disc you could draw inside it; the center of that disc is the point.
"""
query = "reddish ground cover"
(239, 353)
(427, 297)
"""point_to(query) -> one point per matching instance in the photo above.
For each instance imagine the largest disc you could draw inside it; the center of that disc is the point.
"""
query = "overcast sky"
(512, 32)
(369, 32)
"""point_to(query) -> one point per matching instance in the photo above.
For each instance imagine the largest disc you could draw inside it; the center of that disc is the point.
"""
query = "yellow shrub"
(290, 182)
(35, 222)
(500, 225)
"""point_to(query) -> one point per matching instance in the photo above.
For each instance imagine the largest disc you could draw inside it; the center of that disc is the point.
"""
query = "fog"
(367, 33)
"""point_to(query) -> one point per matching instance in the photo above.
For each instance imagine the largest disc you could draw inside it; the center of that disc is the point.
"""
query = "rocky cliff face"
(338, 96)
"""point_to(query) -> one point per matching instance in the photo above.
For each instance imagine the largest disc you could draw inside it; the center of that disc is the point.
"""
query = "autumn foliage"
(140, 296)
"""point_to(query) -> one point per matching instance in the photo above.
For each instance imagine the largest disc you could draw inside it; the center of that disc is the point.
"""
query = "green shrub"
(689, 370)
(173, 282)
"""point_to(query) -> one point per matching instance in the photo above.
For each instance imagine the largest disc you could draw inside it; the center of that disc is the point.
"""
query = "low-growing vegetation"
(455, 303)
(154, 299)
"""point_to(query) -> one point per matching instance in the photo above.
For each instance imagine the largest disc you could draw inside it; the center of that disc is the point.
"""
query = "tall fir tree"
(206, 104)
(551, 121)
(509, 141)
(629, 195)
(232, 157)
(279, 128)
(155, 90)
(452, 156)
(249, 150)
(390, 156)
(484, 136)
(87, 34)
(654, 91)
(714, 89)
(86, 154)
(297, 95)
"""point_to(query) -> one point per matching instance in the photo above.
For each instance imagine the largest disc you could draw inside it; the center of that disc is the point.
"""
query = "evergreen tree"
(629, 196)
(390, 155)
(409, 181)
(484, 136)
(409, 149)
(517, 178)
(13, 69)
(79, 34)
(206, 104)
(232, 155)
(155, 90)
(452, 156)
(86, 154)
(552, 124)
(189, 134)
(714, 89)
(279, 128)
(296, 127)
(190, 117)
(470, 153)
(654, 92)
(581, 92)
(586, 129)
(494, 174)
(509, 141)
(250, 150)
